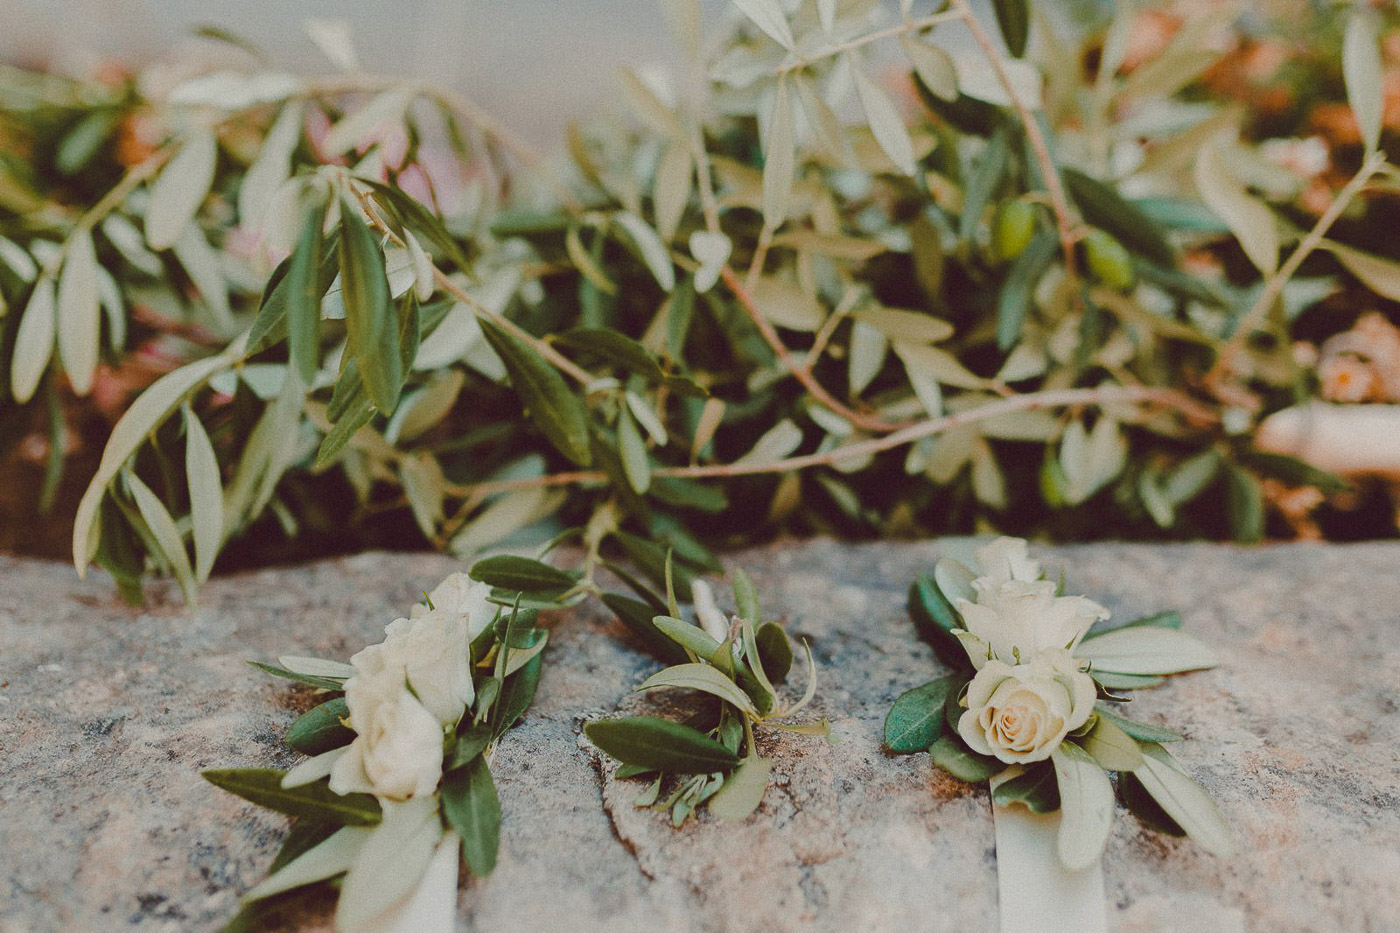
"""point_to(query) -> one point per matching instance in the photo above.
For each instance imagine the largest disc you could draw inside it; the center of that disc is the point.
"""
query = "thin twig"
(913, 25)
(1054, 398)
(1273, 286)
(1059, 204)
(802, 373)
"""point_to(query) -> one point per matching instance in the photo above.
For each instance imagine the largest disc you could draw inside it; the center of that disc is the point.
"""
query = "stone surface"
(109, 713)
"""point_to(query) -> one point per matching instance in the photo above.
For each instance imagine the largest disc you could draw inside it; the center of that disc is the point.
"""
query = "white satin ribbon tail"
(1036, 892)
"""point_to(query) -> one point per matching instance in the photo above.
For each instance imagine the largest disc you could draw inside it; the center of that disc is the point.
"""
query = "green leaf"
(372, 330)
(1146, 650)
(1086, 806)
(469, 744)
(1142, 731)
(1116, 681)
(660, 745)
(1104, 208)
(34, 344)
(742, 790)
(774, 651)
(702, 677)
(952, 755)
(637, 616)
(619, 349)
(166, 533)
(303, 836)
(746, 597)
(1136, 798)
(690, 637)
(524, 574)
(472, 808)
(636, 464)
(982, 184)
(180, 189)
(1111, 747)
(779, 157)
(79, 312)
(1184, 801)
(1364, 74)
(1244, 501)
(915, 721)
(886, 122)
(934, 619)
(649, 247)
(518, 692)
(1295, 472)
(202, 474)
(1014, 21)
(321, 728)
(1035, 787)
(1249, 219)
(304, 294)
(1381, 276)
(312, 680)
(263, 786)
(1014, 300)
(768, 15)
(554, 408)
(1169, 619)
(650, 559)
(418, 218)
(933, 65)
(359, 414)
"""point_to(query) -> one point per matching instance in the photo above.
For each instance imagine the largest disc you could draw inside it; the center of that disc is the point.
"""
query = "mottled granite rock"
(107, 714)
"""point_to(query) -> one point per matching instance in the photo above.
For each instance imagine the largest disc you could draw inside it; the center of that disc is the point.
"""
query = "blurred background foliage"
(840, 267)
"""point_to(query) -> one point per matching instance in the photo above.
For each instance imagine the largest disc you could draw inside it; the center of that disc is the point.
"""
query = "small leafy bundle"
(398, 771)
(1034, 703)
(732, 667)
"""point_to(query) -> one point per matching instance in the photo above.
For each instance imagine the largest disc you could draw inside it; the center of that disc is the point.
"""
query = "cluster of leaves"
(507, 658)
(711, 759)
(1079, 777)
(735, 316)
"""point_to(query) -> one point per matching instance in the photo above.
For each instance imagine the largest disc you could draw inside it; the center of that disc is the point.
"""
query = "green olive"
(1108, 261)
(1012, 229)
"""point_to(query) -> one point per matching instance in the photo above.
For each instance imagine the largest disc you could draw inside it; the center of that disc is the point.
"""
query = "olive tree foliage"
(825, 276)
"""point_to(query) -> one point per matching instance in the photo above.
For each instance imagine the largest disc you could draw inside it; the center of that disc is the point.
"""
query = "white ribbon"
(1036, 892)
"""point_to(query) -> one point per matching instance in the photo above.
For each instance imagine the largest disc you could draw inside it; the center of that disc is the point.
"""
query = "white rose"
(1014, 620)
(1006, 559)
(1001, 561)
(397, 751)
(461, 594)
(432, 654)
(1021, 714)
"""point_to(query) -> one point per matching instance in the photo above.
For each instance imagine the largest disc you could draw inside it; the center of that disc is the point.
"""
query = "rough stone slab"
(107, 714)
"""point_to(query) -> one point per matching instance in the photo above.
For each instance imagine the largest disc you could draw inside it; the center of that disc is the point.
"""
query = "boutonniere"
(398, 776)
(1037, 702)
(732, 668)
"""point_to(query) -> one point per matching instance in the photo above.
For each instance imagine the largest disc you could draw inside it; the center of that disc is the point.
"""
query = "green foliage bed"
(793, 289)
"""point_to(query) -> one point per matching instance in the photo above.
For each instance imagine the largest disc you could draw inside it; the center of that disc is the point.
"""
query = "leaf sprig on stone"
(730, 669)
